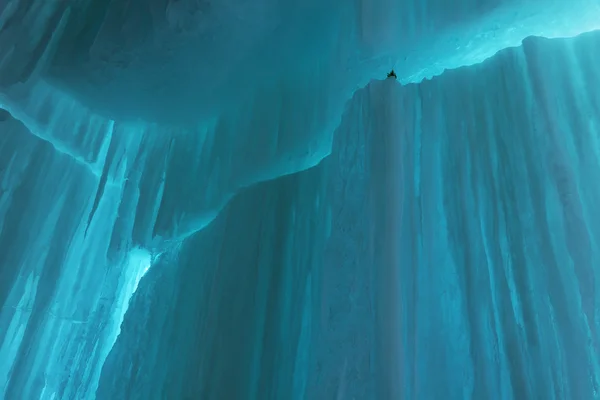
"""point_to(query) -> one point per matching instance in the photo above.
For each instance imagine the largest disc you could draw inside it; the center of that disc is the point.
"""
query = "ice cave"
(230, 200)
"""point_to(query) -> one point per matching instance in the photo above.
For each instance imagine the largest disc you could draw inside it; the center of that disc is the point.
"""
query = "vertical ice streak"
(65, 294)
(388, 188)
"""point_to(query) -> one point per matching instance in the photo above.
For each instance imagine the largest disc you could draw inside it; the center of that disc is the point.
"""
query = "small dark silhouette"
(392, 74)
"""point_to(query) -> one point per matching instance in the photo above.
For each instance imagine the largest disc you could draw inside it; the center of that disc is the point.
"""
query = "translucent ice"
(480, 244)
(177, 219)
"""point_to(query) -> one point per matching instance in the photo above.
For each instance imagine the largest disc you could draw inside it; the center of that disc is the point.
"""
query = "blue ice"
(227, 200)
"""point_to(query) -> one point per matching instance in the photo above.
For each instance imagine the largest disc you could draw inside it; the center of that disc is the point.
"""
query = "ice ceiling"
(225, 200)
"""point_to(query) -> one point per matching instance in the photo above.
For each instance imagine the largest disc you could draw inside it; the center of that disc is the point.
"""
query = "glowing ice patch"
(138, 265)
(473, 42)
(135, 266)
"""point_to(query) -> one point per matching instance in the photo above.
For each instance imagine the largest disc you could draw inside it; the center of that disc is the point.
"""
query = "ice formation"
(227, 200)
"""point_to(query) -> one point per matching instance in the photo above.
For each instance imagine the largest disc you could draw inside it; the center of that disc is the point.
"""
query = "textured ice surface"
(231, 315)
(68, 266)
(126, 58)
(480, 242)
(446, 249)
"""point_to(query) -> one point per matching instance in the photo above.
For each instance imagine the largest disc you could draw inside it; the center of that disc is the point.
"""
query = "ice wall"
(400, 306)
(481, 241)
(69, 264)
(167, 159)
(88, 204)
(230, 316)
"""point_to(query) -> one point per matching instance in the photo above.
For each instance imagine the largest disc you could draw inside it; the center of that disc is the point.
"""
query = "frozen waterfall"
(227, 200)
